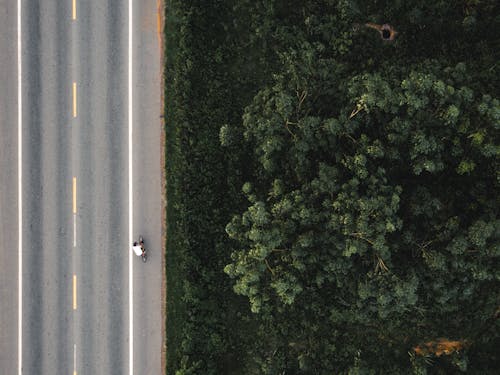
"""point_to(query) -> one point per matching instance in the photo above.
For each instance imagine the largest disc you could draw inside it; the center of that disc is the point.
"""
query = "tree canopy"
(333, 191)
(372, 223)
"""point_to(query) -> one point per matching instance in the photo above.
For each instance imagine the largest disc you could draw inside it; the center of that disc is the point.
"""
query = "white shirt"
(137, 250)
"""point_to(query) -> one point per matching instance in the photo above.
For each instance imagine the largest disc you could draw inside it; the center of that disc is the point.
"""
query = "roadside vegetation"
(333, 197)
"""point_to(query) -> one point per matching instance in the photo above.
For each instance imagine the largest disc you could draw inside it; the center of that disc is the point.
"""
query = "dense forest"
(333, 174)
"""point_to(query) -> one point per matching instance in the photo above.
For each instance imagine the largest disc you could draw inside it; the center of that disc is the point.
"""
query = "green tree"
(362, 177)
(372, 223)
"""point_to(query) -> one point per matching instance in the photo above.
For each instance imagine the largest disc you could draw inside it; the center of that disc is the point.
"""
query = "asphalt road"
(8, 188)
(76, 301)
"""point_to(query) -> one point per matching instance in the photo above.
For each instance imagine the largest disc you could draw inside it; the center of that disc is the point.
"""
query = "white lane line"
(19, 192)
(74, 292)
(130, 197)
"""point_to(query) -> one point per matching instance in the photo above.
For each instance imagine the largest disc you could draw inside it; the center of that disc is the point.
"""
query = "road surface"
(88, 307)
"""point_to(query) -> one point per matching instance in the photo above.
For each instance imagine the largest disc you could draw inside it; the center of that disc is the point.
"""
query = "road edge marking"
(20, 190)
(130, 194)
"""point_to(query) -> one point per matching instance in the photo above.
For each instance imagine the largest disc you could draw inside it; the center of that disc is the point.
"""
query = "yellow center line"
(74, 195)
(74, 99)
(74, 292)
(74, 9)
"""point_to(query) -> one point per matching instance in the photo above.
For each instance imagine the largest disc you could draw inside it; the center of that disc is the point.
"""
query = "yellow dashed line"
(74, 99)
